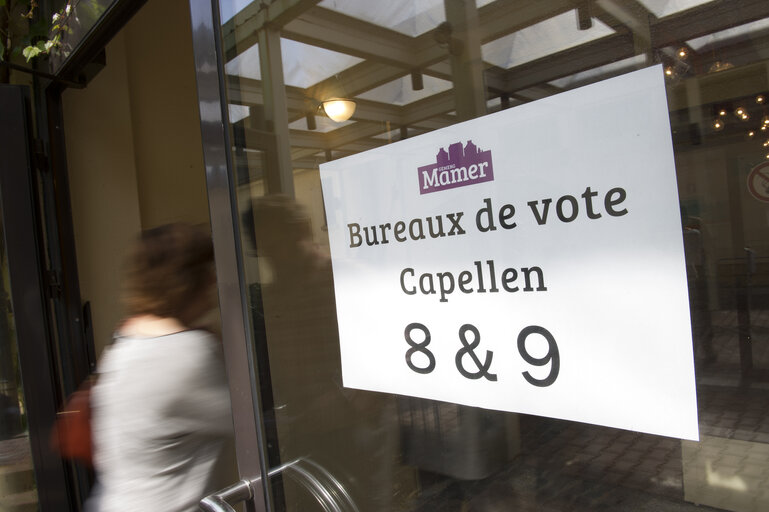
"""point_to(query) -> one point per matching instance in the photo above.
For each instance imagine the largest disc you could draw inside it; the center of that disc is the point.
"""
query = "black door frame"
(21, 229)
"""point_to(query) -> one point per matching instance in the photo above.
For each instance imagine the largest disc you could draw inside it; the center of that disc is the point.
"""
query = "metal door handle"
(222, 501)
(324, 487)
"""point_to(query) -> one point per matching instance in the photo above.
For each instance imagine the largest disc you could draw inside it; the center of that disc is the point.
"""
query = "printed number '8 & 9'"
(470, 338)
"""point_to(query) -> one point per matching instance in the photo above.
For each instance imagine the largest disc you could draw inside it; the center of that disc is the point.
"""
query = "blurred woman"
(161, 408)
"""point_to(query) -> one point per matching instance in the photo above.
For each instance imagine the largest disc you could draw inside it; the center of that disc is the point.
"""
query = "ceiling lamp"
(719, 66)
(339, 109)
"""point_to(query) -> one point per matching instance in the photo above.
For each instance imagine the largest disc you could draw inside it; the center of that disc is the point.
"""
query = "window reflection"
(398, 453)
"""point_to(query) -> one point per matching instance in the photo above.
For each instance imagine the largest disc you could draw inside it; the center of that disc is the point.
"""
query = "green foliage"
(30, 52)
(59, 26)
(23, 32)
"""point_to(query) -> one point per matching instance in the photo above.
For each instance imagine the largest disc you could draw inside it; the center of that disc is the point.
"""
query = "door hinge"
(40, 156)
(54, 284)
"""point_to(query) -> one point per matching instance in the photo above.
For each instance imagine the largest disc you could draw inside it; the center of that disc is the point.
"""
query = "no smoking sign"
(758, 182)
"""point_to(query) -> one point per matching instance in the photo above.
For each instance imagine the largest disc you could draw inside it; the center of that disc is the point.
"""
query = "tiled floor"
(567, 466)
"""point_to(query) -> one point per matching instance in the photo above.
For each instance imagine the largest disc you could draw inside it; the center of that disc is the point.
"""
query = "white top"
(161, 414)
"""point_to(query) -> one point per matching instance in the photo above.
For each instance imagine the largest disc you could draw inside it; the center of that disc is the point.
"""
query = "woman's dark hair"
(168, 269)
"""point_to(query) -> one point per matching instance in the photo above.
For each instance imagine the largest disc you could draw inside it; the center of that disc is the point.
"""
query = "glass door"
(32, 475)
(289, 89)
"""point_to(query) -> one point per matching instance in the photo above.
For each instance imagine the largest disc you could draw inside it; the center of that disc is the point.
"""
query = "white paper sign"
(528, 261)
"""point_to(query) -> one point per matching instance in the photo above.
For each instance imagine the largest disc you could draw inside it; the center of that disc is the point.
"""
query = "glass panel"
(304, 65)
(404, 16)
(401, 92)
(17, 480)
(409, 75)
(80, 19)
(662, 8)
(547, 37)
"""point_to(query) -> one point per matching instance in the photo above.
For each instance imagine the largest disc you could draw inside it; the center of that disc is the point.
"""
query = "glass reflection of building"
(411, 74)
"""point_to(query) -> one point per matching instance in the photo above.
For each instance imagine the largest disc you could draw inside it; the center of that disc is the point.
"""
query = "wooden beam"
(240, 32)
(633, 15)
(625, 15)
(706, 19)
(435, 122)
(501, 18)
(353, 133)
(247, 91)
(671, 30)
(587, 56)
(428, 108)
(334, 31)
(357, 79)
(496, 19)
(307, 139)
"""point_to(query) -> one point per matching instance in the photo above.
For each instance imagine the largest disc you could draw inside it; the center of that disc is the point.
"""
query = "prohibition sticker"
(758, 182)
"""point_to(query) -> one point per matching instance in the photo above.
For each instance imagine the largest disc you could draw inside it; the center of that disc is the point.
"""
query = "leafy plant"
(59, 27)
(24, 32)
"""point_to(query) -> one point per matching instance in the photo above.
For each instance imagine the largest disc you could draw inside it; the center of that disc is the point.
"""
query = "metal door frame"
(18, 201)
(220, 183)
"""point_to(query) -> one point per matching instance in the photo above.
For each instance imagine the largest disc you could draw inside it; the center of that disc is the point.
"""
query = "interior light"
(339, 109)
(682, 53)
(766, 144)
(763, 127)
(719, 66)
(718, 125)
(751, 133)
(722, 112)
(765, 120)
(760, 98)
(745, 116)
(740, 111)
(669, 71)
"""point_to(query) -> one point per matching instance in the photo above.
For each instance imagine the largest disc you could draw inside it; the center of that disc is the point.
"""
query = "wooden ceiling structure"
(389, 55)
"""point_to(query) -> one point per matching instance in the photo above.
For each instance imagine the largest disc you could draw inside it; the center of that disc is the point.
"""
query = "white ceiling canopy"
(409, 17)
(303, 65)
(228, 8)
(541, 39)
(238, 112)
(662, 8)
(743, 31)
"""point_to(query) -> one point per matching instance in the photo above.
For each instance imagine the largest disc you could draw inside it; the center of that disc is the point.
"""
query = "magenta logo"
(458, 167)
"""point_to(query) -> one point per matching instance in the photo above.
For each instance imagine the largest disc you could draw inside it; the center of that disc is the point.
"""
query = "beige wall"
(165, 116)
(105, 204)
(134, 150)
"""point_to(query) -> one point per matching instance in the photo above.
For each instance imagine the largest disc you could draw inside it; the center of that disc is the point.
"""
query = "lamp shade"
(339, 109)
